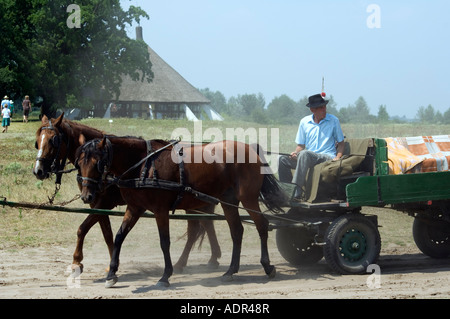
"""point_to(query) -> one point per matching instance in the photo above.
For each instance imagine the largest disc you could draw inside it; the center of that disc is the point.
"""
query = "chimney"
(139, 33)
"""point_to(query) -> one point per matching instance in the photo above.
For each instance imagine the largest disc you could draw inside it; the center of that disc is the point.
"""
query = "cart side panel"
(394, 189)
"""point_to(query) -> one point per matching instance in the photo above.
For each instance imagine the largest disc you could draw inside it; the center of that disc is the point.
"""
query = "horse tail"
(271, 193)
(198, 236)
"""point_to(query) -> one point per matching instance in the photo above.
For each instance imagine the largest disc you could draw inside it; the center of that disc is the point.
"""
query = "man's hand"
(298, 149)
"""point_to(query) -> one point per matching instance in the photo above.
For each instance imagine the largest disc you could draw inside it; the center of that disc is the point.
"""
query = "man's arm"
(340, 150)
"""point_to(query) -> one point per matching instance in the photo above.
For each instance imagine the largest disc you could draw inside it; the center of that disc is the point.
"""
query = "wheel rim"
(353, 245)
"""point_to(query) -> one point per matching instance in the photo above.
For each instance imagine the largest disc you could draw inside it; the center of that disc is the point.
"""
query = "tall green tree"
(74, 62)
(15, 31)
(218, 100)
(282, 109)
(426, 114)
(383, 116)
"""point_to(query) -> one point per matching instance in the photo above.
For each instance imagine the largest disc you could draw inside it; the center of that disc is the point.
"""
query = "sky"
(394, 53)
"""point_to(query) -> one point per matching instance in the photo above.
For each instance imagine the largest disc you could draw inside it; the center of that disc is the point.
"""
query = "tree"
(251, 102)
(357, 113)
(362, 111)
(14, 55)
(426, 114)
(282, 109)
(64, 62)
(383, 115)
(446, 117)
(218, 100)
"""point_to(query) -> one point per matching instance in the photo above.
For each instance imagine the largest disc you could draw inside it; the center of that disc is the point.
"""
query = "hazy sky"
(393, 52)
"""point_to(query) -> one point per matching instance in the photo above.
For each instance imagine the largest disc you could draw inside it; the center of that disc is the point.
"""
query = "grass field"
(20, 228)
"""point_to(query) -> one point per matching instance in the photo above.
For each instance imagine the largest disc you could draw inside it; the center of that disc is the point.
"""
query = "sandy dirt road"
(43, 272)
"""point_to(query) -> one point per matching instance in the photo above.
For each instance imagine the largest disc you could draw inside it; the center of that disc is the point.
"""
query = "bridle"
(56, 166)
(102, 166)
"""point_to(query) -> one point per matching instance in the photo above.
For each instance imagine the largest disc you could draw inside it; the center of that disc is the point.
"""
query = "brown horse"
(238, 179)
(57, 140)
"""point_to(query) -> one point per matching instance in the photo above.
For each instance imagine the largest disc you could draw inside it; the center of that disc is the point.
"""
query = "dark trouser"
(305, 161)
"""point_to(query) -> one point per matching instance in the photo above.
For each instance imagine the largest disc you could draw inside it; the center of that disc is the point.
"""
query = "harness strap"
(161, 184)
(138, 164)
(179, 151)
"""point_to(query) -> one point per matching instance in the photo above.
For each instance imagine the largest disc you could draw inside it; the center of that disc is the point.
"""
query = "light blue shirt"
(320, 138)
(6, 102)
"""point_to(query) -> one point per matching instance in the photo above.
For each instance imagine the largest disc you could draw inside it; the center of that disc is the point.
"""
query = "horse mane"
(79, 127)
(89, 148)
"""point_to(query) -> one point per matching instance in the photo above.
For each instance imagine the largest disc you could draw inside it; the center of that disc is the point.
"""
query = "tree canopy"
(69, 56)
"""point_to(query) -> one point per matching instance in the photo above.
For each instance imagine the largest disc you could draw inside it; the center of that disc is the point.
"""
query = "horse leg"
(193, 230)
(237, 231)
(208, 226)
(262, 225)
(83, 229)
(129, 220)
(216, 253)
(105, 225)
(162, 220)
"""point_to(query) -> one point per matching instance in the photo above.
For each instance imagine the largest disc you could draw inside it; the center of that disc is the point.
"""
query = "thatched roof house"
(169, 95)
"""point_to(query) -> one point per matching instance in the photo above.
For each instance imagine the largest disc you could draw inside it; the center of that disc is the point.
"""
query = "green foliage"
(47, 57)
(383, 116)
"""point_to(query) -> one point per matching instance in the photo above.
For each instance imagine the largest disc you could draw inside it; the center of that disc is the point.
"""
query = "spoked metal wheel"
(297, 246)
(352, 242)
(432, 237)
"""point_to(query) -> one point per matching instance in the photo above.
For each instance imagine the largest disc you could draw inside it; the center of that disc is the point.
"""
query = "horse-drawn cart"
(334, 226)
(407, 174)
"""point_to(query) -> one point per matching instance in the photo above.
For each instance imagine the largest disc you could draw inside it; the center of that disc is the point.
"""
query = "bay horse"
(57, 140)
(239, 179)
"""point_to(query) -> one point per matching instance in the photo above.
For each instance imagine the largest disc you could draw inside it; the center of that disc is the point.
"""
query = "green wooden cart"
(333, 224)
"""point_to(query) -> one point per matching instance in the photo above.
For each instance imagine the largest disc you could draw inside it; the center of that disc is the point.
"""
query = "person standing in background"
(26, 104)
(6, 114)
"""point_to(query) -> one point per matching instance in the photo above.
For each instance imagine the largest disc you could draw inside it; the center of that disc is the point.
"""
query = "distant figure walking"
(6, 114)
(26, 104)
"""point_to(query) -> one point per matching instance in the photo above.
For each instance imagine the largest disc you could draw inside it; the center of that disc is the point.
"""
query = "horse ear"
(102, 143)
(44, 119)
(59, 120)
(82, 139)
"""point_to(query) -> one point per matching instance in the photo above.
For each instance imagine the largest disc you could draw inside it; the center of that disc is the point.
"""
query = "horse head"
(93, 159)
(49, 143)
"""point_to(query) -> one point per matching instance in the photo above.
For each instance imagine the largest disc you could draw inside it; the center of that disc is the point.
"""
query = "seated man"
(316, 140)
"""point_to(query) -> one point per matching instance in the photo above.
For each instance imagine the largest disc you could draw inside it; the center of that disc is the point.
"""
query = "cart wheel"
(352, 244)
(296, 245)
(432, 238)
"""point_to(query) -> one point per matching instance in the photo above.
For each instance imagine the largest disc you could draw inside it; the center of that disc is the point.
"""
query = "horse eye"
(36, 145)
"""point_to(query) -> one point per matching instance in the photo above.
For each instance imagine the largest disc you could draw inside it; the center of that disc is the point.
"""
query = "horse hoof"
(77, 270)
(163, 284)
(272, 273)
(227, 278)
(178, 269)
(111, 282)
(213, 265)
